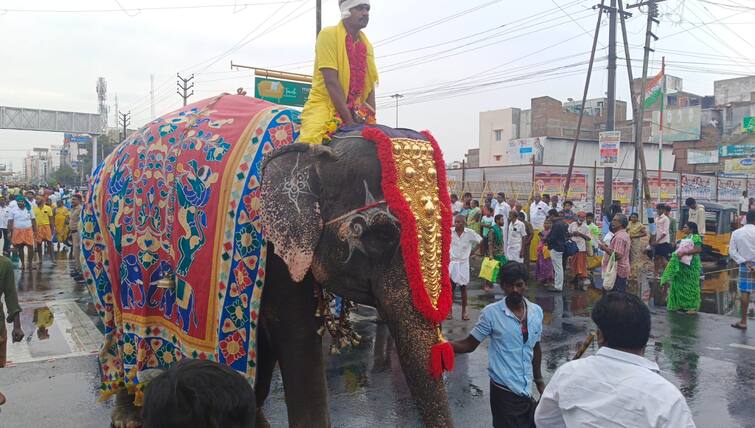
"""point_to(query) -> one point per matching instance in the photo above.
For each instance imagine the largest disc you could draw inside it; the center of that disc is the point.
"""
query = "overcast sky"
(496, 54)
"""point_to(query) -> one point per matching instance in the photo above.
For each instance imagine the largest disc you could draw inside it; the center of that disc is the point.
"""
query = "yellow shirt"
(42, 215)
(330, 52)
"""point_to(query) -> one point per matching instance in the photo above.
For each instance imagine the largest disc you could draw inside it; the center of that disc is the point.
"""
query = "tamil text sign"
(523, 150)
(609, 143)
(680, 124)
(737, 150)
(695, 157)
(293, 94)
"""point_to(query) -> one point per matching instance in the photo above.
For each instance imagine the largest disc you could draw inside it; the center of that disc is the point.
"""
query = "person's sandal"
(465, 317)
(739, 326)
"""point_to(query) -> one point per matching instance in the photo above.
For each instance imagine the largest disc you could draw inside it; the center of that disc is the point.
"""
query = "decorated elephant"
(210, 234)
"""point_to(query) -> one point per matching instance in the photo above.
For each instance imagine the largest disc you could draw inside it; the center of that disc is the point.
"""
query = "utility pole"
(124, 121)
(318, 16)
(640, 118)
(397, 97)
(183, 85)
(611, 110)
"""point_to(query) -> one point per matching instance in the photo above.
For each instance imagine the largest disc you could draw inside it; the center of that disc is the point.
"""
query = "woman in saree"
(683, 272)
(474, 215)
(637, 232)
(544, 267)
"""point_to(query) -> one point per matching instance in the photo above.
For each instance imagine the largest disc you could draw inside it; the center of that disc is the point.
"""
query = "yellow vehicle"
(720, 221)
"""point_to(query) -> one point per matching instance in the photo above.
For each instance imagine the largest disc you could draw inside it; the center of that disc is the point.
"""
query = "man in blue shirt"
(514, 325)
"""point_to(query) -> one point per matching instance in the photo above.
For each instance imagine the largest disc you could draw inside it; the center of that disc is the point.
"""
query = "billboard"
(521, 151)
(740, 166)
(698, 186)
(748, 124)
(554, 183)
(737, 150)
(679, 124)
(696, 157)
(609, 147)
(282, 92)
(730, 189)
(621, 191)
(77, 138)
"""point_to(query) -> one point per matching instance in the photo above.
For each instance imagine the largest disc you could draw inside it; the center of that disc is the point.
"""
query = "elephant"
(228, 230)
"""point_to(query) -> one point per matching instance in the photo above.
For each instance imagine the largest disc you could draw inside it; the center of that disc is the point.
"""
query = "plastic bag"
(609, 273)
(570, 248)
(489, 269)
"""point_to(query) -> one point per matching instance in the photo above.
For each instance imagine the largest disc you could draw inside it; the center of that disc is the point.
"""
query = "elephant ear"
(290, 204)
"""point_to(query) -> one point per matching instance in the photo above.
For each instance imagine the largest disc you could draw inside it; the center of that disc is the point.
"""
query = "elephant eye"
(381, 239)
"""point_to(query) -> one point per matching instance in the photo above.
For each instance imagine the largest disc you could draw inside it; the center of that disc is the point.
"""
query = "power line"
(137, 10)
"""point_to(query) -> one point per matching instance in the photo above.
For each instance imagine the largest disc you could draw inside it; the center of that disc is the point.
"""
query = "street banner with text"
(740, 166)
(730, 189)
(700, 187)
(610, 146)
(283, 92)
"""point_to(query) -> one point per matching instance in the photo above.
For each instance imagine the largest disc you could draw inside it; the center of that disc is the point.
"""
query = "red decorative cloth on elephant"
(414, 184)
(179, 200)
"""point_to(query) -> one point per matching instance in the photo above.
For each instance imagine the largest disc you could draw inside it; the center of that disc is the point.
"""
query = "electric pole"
(318, 16)
(639, 120)
(184, 86)
(611, 109)
(397, 97)
(124, 121)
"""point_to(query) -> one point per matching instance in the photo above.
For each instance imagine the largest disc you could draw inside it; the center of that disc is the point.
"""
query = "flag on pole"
(654, 89)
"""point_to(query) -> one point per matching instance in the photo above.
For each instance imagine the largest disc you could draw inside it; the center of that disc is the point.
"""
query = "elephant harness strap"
(356, 211)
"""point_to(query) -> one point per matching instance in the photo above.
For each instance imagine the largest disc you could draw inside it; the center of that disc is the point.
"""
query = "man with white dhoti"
(463, 242)
(516, 235)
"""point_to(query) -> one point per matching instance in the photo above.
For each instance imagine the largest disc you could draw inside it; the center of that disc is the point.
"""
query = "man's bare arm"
(336, 95)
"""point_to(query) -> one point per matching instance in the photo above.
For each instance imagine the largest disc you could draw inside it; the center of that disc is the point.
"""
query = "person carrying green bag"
(496, 247)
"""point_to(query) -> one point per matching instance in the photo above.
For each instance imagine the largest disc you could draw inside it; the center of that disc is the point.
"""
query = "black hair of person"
(623, 320)
(199, 394)
(512, 272)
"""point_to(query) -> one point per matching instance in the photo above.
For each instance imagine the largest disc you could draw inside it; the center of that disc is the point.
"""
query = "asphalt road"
(52, 380)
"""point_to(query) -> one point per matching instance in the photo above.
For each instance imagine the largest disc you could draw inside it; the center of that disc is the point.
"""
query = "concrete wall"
(558, 152)
(492, 151)
(734, 90)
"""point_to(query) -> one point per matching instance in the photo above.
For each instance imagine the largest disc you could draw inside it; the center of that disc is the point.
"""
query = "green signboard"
(737, 151)
(749, 124)
(284, 92)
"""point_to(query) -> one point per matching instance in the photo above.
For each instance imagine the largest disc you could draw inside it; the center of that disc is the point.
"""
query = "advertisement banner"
(737, 150)
(622, 191)
(748, 124)
(679, 124)
(554, 183)
(698, 187)
(77, 138)
(521, 151)
(609, 143)
(730, 189)
(740, 166)
(668, 191)
(695, 157)
(282, 92)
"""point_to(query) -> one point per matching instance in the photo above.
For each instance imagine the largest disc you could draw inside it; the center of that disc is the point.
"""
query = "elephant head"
(324, 211)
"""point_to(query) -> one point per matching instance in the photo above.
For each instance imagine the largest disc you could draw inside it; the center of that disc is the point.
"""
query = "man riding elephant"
(344, 79)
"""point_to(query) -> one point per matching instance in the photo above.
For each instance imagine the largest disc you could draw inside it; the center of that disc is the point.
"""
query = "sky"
(449, 59)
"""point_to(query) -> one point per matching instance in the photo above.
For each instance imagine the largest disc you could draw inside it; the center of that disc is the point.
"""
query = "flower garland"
(357, 53)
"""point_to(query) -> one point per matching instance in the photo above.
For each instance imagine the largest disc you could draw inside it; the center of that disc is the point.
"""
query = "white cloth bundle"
(347, 5)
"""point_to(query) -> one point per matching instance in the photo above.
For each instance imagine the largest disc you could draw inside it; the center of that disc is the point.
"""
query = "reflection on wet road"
(53, 372)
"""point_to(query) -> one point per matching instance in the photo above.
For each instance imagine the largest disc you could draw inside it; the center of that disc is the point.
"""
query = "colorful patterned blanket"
(180, 199)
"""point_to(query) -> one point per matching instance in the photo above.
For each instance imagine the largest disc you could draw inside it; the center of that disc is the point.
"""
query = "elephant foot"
(261, 420)
(125, 414)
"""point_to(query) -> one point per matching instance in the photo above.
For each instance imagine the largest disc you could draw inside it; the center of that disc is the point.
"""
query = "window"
(498, 134)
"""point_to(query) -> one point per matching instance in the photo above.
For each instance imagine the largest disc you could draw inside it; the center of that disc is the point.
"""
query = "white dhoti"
(459, 271)
(513, 253)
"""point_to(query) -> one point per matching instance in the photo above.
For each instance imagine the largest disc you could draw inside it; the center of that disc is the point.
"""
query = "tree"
(66, 176)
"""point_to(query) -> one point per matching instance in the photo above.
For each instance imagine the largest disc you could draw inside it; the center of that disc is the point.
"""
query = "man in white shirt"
(456, 205)
(538, 213)
(23, 227)
(463, 242)
(744, 203)
(696, 214)
(742, 251)
(504, 209)
(617, 387)
(663, 247)
(4, 232)
(580, 234)
(517, 233)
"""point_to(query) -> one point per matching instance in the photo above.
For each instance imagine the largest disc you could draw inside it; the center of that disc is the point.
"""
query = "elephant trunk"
(414, 337)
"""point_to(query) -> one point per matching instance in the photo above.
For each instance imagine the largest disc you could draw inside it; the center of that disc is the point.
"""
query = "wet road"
(53, 375)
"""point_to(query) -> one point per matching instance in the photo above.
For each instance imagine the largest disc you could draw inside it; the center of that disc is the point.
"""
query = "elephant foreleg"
(288, 317)
(265, 366)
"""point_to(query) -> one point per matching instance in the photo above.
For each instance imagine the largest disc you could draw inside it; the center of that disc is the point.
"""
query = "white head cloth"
(347, 5)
